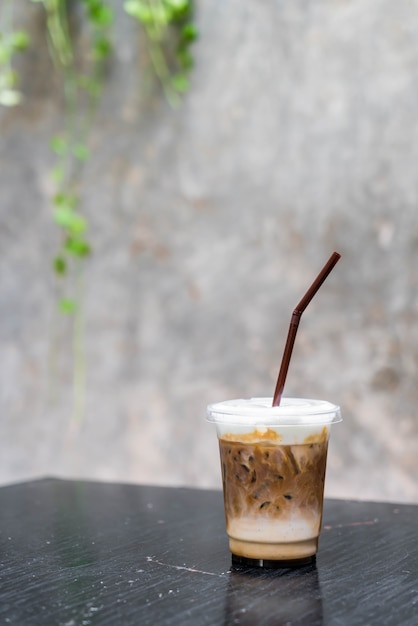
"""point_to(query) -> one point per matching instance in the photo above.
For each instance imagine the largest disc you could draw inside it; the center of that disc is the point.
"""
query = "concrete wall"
(299, 137)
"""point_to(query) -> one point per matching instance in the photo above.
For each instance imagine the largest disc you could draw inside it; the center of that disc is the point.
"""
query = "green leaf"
(20, 40)
(177, 4)
(100, 14)
(60, 266)
(140, 10)
(66, 305)
(70, 220)
(77, 246)
(59, 145)
(102, 48)
(66, 200)
(180, 83)
(81, 152)
(177, 7)
(189, 32)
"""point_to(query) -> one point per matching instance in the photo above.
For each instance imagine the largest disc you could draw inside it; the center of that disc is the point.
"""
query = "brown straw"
(294, 323)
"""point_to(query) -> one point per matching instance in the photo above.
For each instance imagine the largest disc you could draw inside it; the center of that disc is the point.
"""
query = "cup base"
(274, 551)
(243, 562)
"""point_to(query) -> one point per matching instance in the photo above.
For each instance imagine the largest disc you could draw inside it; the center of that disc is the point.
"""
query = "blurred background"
(207, 222)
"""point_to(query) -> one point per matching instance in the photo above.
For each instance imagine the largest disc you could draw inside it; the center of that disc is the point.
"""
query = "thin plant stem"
(59, 40)
(162, 72)
(79, 369)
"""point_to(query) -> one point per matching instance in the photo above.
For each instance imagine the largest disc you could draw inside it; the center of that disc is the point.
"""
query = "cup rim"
(290, 412)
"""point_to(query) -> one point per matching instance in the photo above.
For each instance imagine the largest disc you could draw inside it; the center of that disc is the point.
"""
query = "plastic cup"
(273, 462)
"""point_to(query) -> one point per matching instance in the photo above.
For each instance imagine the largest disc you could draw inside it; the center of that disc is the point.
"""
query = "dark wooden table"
(75, 553)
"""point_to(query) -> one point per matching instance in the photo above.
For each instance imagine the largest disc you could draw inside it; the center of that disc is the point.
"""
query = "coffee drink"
(273, 473)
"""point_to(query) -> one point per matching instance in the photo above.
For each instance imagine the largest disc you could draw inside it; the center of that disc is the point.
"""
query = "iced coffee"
(273, 462)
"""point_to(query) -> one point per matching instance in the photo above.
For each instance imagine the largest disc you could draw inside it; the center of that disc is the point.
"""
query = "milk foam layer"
(262, 530)
(295, 420)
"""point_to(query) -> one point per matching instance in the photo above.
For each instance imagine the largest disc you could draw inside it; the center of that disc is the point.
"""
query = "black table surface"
(75, 553)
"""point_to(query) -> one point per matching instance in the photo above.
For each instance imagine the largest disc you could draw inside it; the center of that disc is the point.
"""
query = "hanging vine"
(11, 42)
(82, 84)
(170, 32)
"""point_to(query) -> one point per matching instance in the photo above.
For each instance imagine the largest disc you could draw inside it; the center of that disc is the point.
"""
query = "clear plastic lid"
(258, 411)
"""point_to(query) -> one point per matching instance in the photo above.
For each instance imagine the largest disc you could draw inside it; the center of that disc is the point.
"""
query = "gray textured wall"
(299, 137)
